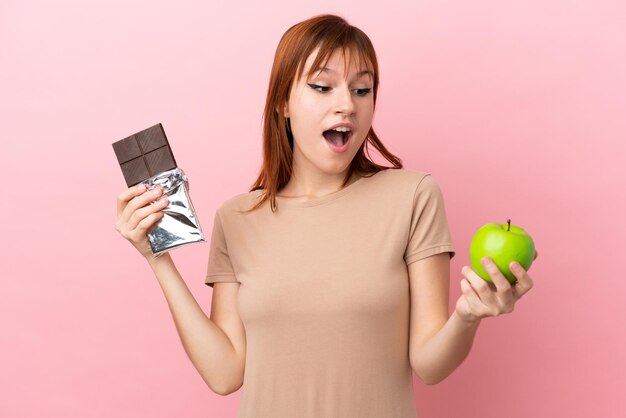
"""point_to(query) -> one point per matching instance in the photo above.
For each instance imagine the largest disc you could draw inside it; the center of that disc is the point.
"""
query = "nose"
(345, 101)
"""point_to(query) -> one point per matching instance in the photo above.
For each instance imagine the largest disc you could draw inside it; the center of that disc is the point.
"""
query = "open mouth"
(337, 138)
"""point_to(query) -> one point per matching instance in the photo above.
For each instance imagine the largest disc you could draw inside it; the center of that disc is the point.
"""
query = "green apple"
(503, 243)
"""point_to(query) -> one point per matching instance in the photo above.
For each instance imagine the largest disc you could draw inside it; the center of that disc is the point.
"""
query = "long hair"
(329, 33)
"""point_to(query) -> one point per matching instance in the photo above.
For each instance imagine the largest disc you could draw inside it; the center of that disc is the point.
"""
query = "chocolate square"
(144, 154)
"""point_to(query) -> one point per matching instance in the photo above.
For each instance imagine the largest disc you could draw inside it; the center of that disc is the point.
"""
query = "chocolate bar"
(144, 154)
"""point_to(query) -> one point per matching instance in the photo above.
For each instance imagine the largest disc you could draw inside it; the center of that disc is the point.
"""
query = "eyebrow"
(359, 74)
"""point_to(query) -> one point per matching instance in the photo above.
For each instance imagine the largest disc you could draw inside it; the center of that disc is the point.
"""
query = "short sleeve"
(219, 267)
(429, 233)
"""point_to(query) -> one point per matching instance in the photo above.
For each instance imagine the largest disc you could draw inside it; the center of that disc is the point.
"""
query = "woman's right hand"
(136, 215)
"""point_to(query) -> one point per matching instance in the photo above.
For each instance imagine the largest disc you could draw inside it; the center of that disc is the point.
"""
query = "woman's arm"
(207, 345)
(437, 350)
(442, 353)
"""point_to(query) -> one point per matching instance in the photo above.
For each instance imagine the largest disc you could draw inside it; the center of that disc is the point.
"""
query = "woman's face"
(326, 99)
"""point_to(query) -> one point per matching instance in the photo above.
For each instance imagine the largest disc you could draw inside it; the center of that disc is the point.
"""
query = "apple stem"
(508, 221)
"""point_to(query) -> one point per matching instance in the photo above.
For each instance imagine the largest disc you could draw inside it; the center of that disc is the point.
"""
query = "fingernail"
(515, 266)
(485, 261)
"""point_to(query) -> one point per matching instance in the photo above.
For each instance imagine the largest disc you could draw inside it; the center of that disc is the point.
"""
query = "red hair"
(329, 33)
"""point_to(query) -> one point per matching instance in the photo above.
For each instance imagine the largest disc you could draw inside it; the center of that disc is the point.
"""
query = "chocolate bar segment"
(144, 154)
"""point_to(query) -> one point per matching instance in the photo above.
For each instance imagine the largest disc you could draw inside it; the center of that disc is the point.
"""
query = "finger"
(124, 197)
(473, 301)
(140, 214)
(483, 289)
(524, 282)
(144, 226)
(501, 283)
(141, 201)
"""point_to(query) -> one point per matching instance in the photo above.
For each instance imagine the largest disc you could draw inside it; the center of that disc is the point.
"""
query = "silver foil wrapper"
(179, 226)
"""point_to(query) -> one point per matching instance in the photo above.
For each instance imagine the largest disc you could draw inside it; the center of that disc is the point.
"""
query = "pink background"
(516, 107)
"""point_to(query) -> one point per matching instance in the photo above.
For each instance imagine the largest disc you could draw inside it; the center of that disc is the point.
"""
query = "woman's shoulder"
(406, 182)
(240, 201)
(402, 176)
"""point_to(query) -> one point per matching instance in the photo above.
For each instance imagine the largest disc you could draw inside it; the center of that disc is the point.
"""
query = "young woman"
(331, 275)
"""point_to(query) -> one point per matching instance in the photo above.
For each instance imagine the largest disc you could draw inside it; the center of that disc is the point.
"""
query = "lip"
(345, 146)
(342, 124)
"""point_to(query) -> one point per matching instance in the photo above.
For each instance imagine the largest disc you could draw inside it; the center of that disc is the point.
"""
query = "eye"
(364, 91)
(360, 92)
(315, 87)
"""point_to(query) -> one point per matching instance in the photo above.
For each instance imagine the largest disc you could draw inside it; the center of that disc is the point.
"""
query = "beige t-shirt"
(324, 294)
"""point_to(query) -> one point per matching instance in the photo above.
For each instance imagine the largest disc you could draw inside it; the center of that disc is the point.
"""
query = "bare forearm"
(440, 355)
(207, 346)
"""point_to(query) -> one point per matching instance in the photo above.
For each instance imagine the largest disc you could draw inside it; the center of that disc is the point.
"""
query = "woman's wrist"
(154, 262)
(469, 321)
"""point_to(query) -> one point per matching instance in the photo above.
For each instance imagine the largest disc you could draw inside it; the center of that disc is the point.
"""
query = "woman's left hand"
(481, 298)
